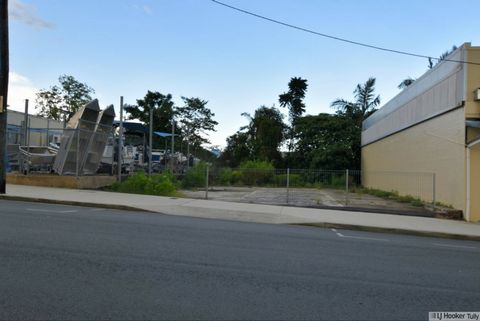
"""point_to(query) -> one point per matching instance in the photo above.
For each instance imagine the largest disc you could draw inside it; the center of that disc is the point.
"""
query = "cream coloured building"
(42, 131)
(432, 126)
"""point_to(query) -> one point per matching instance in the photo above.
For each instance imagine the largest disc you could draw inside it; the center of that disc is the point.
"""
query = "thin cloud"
(26, 13)
(20, 88)
(147, 9)
(144, 8)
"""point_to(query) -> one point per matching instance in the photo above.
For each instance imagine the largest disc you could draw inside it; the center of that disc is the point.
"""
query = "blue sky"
(196, 48)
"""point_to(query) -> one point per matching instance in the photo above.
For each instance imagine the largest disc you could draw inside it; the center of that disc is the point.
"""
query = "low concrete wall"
(81, 182)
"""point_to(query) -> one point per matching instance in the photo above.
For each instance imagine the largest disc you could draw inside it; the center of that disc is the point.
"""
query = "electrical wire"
(338, 38)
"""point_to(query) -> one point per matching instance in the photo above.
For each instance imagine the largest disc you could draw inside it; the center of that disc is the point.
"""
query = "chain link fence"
(37, 150)
(319, 188)
(294, 187)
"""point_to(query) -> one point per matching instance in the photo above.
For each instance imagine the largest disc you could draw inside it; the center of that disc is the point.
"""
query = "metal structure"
(83, 140)
(36, 157)
(98, 141)
(439, 90)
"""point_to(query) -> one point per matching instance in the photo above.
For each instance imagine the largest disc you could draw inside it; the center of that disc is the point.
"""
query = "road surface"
(64, 262)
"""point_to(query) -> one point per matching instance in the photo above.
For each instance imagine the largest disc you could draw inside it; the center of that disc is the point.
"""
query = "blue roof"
(162, 134)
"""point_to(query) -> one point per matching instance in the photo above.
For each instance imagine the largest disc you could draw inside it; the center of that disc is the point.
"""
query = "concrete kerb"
(352, 227)
(377, 229)
(74, 203)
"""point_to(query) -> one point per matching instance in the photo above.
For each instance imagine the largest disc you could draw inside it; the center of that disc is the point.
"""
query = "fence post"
(288, 185)
(433, 192)
(346, 187)
(77, 153)
(206, 185)
(120, 143)
(112, 133)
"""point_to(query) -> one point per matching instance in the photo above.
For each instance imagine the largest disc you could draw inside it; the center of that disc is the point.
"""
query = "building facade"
(41, 131)
(432, 126)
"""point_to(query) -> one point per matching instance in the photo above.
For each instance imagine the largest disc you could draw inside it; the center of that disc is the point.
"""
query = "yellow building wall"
(434, 146)
(475, 184)
(472, 110)
(472, 107)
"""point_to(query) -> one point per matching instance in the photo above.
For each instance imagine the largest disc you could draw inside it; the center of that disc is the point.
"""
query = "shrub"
(338, 181)
(160, 184)
(227, 176)
(257, 172)
(236, 177)
(195, 176)
(295, 180)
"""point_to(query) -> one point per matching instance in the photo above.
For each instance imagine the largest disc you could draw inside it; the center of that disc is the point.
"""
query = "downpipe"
(469, 147)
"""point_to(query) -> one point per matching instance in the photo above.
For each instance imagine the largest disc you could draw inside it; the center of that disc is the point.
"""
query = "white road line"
(358, 237)
(455, 246)
(364, 238)
(49, 211)
(338, 233)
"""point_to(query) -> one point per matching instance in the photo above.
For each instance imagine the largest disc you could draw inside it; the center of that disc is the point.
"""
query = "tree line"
(327, 141)
(323, 141)
(191, 122)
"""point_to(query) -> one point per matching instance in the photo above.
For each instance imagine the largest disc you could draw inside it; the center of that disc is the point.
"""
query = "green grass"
(160, 185)
(390, 195)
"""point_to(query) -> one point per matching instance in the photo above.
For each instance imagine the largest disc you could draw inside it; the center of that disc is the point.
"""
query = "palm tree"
(406, 82)
(293, 98)
(364, 105)
(443, 56)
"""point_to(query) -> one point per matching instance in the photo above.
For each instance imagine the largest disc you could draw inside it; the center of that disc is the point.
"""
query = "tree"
(406, 82)
(355, 113)
(162, 107)
(364, 105)
(293, 98)
(259, 140)
(238, 150)
(64, 99)
(443, 56)
(327, 141)
(196, 120)
(266, 132)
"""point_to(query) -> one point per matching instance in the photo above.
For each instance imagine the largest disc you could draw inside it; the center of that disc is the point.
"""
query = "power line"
(338, 38)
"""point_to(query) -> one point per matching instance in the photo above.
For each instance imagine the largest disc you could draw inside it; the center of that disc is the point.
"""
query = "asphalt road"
(63, 262)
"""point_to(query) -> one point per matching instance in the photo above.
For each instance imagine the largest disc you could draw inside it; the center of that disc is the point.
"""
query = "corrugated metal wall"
(439, 90)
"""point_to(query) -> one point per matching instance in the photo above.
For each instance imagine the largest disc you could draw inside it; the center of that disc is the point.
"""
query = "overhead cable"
(338, 38)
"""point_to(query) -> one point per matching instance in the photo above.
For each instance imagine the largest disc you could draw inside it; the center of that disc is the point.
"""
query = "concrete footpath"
(249, 212)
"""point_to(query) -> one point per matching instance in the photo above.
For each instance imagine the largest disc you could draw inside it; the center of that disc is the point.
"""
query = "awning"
(132, 127)
(162, 134)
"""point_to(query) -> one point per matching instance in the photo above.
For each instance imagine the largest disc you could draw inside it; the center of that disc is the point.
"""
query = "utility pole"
(4, 68)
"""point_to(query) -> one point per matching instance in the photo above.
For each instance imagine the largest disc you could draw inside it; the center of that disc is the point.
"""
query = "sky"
(196, 48)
